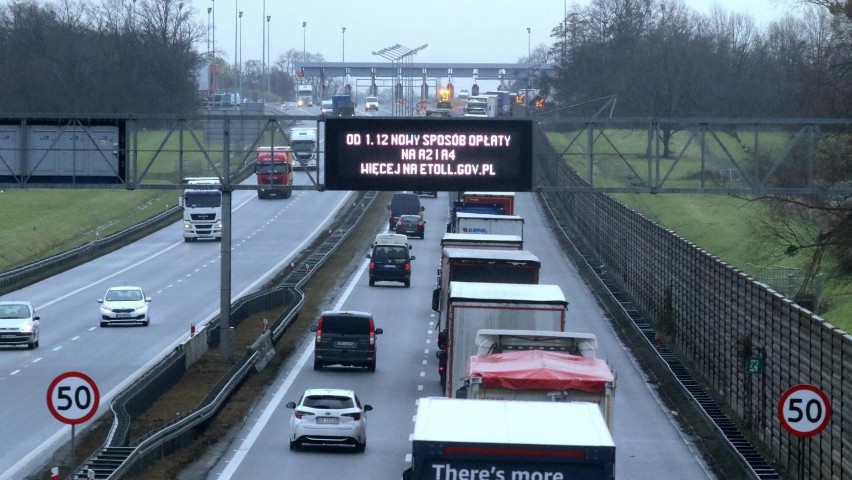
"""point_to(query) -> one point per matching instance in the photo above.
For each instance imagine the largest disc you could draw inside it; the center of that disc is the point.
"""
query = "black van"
(390, 262)
(345, 338)
(403, 204)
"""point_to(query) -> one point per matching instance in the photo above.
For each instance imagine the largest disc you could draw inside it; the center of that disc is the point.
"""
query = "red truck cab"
(274, 168)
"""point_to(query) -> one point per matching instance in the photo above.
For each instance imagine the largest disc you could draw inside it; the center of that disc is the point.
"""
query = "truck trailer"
(500, 203)
(482, 265)
(482, 241)
(500, 440)
(473, 306)
(489, 224)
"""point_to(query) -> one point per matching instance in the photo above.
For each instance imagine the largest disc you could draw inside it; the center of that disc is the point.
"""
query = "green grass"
(41, 222)
(724, 226)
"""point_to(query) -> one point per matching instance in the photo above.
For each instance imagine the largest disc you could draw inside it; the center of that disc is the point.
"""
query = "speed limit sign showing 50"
(804, 410)
(73, 398)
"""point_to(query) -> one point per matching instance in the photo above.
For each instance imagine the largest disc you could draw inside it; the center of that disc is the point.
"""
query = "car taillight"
(398, 224)
(356, 415)
(408, 266)
(372, 265)
(372, 334)
(319, 331)
(420, 224)
(441, 368)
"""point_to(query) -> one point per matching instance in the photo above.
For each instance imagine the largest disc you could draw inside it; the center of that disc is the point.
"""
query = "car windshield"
(123, 295)
(14, 311)
(372, 99)
(331, 402)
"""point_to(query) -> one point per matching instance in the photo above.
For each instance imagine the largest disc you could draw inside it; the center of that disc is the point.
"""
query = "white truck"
(482, 240)
(506, 440)
(481, 106)
(305, 95)
(303, 141)
(202, 210)
(540, 366)
(473, 306)
(489, 224)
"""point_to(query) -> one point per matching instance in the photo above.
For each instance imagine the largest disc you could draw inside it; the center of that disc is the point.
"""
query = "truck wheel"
(317, 364)
(288, 194)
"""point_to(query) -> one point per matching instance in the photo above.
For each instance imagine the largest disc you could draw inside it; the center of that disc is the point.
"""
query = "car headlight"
(187, 226)
(27, 328)
(141, 308)
(105, 308)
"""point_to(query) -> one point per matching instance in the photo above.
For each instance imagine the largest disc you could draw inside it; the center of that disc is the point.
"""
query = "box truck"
(500, 440)
(473, 306)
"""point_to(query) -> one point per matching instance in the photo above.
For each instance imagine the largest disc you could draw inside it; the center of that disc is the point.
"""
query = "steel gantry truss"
(403, 91)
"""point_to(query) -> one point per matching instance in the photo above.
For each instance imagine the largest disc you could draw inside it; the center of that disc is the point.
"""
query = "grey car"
(345, 338)
(19, 324)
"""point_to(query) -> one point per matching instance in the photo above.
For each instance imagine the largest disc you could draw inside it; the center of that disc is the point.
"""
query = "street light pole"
(268, 56)
(344, 44)
(240, 56)
(236, 20)
(304, 25)
(262, 48)
(214, 27)
(529, 31)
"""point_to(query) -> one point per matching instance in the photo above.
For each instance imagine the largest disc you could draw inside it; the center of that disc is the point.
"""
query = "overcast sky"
(488, 31)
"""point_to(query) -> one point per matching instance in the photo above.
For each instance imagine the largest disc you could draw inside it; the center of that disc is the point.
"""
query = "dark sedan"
(410, 225)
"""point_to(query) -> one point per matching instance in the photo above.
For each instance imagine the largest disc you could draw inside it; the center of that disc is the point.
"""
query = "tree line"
(660, 58)
(118, 56)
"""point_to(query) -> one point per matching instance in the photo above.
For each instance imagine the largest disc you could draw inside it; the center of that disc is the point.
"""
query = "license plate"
(7, 336)
(123, 315)
(328, 420)
(345, 344)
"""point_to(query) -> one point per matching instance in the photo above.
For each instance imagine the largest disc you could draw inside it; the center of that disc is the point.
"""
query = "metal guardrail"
(596, 274)
(112, 461)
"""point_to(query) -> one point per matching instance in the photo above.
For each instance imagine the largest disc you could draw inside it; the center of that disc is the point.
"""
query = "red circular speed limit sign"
(73, 398)
(804, 410)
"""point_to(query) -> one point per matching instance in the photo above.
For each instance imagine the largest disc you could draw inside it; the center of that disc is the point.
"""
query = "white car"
(325, 108)
(125, 305)
(329, 416)
(19, 324)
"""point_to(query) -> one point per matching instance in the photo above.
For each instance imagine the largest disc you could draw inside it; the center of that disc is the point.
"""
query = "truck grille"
(203, 216)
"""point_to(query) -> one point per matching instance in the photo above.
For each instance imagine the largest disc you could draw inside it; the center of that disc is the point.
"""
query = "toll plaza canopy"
(388, 69)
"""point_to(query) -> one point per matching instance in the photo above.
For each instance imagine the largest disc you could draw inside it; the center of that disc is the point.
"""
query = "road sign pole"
(73, 446)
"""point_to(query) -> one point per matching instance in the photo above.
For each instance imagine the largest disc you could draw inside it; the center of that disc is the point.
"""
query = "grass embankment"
(726, 226)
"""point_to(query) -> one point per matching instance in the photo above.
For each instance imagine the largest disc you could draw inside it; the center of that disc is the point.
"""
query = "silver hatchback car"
(19, 324)
(329, 416)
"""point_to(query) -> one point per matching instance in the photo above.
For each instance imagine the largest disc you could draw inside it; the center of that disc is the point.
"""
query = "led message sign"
(428, 154)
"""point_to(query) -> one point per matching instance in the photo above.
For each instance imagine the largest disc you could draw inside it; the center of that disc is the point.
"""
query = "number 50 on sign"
(73, 398)
(804, 410)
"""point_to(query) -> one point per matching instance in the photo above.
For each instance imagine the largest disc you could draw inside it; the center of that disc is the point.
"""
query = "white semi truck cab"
(202, 210)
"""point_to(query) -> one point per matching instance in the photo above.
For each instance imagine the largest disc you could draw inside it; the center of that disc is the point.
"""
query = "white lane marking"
(422, 374)
(37, 359)
(263, 420)
(15, 372)
(424, 362)
(419, 388)
(75, 338)
(106, 398)
(92, 328)
(407, 458)
(426, 351)
(55, 349)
